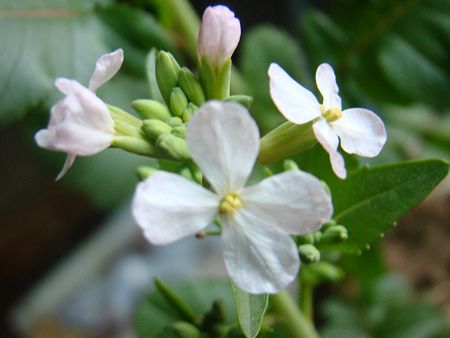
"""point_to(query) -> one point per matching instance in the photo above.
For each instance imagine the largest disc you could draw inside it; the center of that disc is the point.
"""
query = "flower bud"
(178, 102)
(175, 121)
(167, 69)
(290, 165)
(174, 147)
(181, 330)
(244, 100)
(334, 234)
(134, 145)
(190, 109)
(153, 128)
(309, 253)
(219, 35)
(151, 109)
(143, 172)
(306, 239)
(191, 86)
(179, 131)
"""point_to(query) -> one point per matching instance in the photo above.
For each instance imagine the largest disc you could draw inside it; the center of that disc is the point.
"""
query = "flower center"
(332, 114)
(230, 203)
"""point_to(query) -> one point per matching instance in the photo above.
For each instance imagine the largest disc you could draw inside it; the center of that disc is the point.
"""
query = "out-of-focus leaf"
(250, 310)
(393, 51)
(154, 313)
(260, 47)
(370, 200)
(42, 40)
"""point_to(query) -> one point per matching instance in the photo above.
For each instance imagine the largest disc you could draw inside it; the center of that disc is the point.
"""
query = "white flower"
(219, 35)
(259, 254)
(80, 123)
(360, 131)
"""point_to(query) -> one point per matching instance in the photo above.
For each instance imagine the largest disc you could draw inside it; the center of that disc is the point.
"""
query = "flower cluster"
(197, 122)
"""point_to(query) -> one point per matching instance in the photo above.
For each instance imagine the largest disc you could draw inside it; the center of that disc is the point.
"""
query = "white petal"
(224, 141)
(295, 102)
(70, 159)
(68, 86)
(168, 207)
(326, 82)
(361, 132)
(295, 201)
(259, 257)
(329, 141)
(105, 68)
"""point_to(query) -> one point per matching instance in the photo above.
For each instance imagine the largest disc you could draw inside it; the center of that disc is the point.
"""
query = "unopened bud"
(167, 69)
(179, 131)
(191, 86)
(174, 147)
(175, 121)
(244, 100)
(154, 128)
(325, 271)
(334, 234)
(290, 165)
(328, 224)
(219, 35)
(309, 253)
(143, 172)
(180, 330)
(306, 239)
(189, 111)
(134, 145)
(151, 109)
(178, 102)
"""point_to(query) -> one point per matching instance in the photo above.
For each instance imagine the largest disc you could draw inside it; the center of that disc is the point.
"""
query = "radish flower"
(256, 221)
(360, 131)
(80, 124)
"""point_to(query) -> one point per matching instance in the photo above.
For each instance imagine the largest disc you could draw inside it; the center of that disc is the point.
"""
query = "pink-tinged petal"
(259, 257)
(294, 201)
(224, 141)
(326, 82)
(168, 207)
(296, 103)
(329, 141)
(68, 86)
(219, 35)
(70, 159)
(361, 132)
(105, 68)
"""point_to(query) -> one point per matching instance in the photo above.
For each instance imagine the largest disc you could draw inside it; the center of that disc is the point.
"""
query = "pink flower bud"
(219, 35)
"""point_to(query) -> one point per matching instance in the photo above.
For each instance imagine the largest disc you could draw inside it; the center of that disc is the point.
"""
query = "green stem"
(306, 299)
(291, 317)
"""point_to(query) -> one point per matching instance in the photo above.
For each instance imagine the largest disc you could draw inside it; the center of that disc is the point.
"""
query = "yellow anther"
(332, 114)
(230, 203)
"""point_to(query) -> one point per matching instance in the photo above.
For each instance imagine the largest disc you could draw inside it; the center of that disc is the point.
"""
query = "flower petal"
(223, 140)
(329, 141)
(70, 159)
(259, 257)
(168, 207)
(361, 132)
(105, 68)
(296, 103)
(326, 82)
(295, 201)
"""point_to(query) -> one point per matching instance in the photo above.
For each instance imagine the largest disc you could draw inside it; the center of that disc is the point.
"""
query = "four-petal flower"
(80, 123)
(256, 221)
(360, 131)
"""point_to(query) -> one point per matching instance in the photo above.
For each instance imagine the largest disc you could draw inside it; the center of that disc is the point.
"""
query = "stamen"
(332, 114)
(230, 203)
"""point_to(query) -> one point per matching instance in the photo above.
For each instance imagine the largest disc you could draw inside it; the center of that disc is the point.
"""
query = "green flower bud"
(285, 141)
(151, 109)
(290, 165)
(143, 172)
(187, 114)
(154, 128)
(325, 271)
(309, 253)
(174, 147)
(317, 236)
(191, 86)
(179, 131)
(244, 100)
(167, 69)
(134, 145)
(334, 234)
(180, 330)
(328, 224)
(175, 121)
(178, 102)
(306, 239)
(215, 81)
(186, 173)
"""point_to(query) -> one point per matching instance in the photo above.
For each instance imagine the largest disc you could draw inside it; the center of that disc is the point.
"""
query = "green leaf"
(370, 200)
(260, 47)
(154, 313)
(250, 310)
